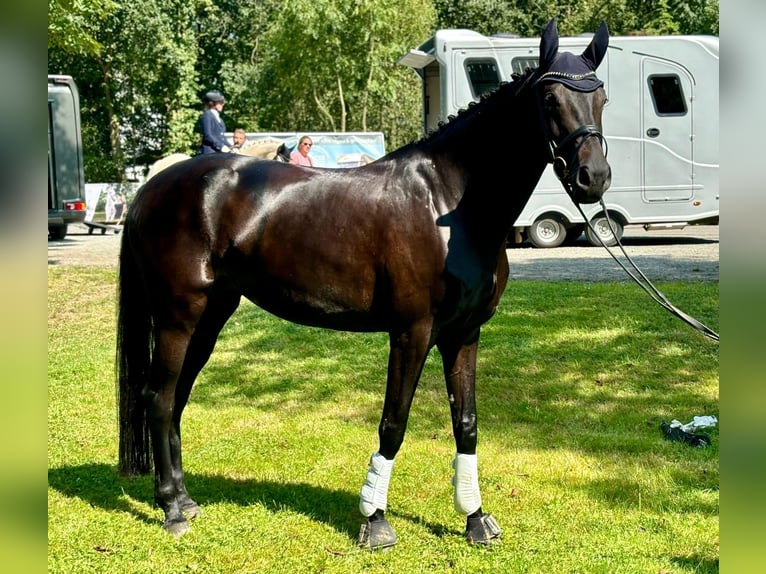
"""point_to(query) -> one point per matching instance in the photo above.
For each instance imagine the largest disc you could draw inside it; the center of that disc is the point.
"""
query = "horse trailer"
(660, 125)
(66, 178)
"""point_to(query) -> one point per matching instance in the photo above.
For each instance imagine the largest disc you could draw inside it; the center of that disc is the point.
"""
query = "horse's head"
(283, 154)
(572, 99)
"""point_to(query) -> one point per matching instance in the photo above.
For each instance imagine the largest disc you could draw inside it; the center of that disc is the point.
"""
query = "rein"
(566, 176)
(641, 279)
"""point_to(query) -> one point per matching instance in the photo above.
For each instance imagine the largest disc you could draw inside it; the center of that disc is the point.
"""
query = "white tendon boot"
(374, 493)
(480, 528)
(467, 497)
(376, 533)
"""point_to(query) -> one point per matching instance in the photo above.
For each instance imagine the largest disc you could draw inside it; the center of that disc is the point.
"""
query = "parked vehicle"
(66, 178)
(660, 123)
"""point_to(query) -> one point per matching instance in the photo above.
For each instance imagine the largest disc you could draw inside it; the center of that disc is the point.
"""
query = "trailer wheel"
(599, 228)
(57, 232)
(547, 231)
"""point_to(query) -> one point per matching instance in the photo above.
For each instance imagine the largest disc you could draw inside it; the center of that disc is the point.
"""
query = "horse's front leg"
(405, 363)
(459, 360)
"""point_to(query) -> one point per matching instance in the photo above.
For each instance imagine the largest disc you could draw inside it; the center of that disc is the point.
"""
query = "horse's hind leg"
(183, 344)
(459, 360)
(221, 305)
(170, 345)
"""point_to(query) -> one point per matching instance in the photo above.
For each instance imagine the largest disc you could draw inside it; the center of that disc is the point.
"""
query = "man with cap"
(211, 124)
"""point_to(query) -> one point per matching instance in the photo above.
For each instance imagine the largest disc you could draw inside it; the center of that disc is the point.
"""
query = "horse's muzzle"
(590, 182)
(587, 175)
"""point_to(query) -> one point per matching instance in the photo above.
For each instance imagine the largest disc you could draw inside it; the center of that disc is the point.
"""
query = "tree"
(137, 85)
(674, 16)
(484, 16)
(331, 66)
(230, 47)
(528, 17)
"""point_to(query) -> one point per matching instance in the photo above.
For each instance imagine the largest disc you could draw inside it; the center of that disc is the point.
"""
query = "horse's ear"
(549, 44)
(595, 51)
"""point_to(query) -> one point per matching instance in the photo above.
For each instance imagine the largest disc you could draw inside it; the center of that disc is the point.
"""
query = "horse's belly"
(314, 313)
(325, 307)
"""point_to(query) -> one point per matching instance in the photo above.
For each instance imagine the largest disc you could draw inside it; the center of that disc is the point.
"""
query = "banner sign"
(331, 149)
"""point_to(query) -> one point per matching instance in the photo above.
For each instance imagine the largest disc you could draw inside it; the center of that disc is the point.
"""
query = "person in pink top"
(301, 154)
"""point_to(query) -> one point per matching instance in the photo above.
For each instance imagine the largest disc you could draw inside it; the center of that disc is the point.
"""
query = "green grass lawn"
(573, 382)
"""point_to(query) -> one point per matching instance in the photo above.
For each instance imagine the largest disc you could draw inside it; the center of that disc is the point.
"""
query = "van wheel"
(599, 228)
(57, 231)
(546, 232)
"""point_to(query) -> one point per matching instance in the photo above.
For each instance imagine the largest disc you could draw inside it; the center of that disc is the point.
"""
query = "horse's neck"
(500, 156)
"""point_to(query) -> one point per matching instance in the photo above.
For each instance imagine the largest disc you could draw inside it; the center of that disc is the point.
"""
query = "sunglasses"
(307, 144)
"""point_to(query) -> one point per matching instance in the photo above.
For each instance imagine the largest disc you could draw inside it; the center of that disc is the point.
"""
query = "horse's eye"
(550, 101)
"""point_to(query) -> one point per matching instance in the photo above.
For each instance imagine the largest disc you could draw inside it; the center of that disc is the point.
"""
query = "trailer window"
(520, 65)
(667, 95)
(483, 76)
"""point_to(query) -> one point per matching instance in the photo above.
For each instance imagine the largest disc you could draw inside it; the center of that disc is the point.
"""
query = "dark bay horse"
(412, 244)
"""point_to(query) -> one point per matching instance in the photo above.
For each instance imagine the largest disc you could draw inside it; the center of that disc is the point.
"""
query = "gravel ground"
(690, 254)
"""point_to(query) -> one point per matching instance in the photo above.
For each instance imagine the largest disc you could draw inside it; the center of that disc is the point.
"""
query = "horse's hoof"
(377, 535)
(191, 511)
(177, 527)
(482, 529)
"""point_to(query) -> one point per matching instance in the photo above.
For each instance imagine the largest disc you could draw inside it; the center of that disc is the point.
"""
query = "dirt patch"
(690, 254)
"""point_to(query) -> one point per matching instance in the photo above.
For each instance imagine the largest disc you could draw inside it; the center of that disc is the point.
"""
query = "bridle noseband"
(560, 164)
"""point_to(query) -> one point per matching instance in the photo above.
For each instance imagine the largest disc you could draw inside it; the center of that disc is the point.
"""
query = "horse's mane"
(517, 83)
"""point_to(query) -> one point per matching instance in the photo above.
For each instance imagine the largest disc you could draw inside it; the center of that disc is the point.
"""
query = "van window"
(667, 95)
(483, 76)
(519, 65)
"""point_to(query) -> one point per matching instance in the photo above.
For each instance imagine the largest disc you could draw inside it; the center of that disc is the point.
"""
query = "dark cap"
(214, 96)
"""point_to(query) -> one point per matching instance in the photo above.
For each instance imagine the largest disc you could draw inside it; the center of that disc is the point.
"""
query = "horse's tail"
(133, 357)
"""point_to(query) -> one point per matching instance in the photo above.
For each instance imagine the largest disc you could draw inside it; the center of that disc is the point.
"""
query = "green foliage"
(332, 66)
(72, 24)
(573, 381)
(483, 16)
(673, 16)
(528, 17)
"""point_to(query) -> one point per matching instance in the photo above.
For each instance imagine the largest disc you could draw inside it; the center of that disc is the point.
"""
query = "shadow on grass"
(269, 361)
(697, 565)
(99, 485)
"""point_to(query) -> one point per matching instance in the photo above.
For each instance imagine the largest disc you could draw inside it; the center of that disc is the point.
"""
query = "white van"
(660, 123)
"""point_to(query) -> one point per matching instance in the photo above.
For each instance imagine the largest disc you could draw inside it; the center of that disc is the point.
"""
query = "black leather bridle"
(561, 166)
(562, 161)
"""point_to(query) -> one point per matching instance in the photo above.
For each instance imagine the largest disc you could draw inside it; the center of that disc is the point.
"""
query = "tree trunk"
(342, 105)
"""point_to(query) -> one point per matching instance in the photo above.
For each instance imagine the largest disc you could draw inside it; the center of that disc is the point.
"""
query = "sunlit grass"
(573, 381)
